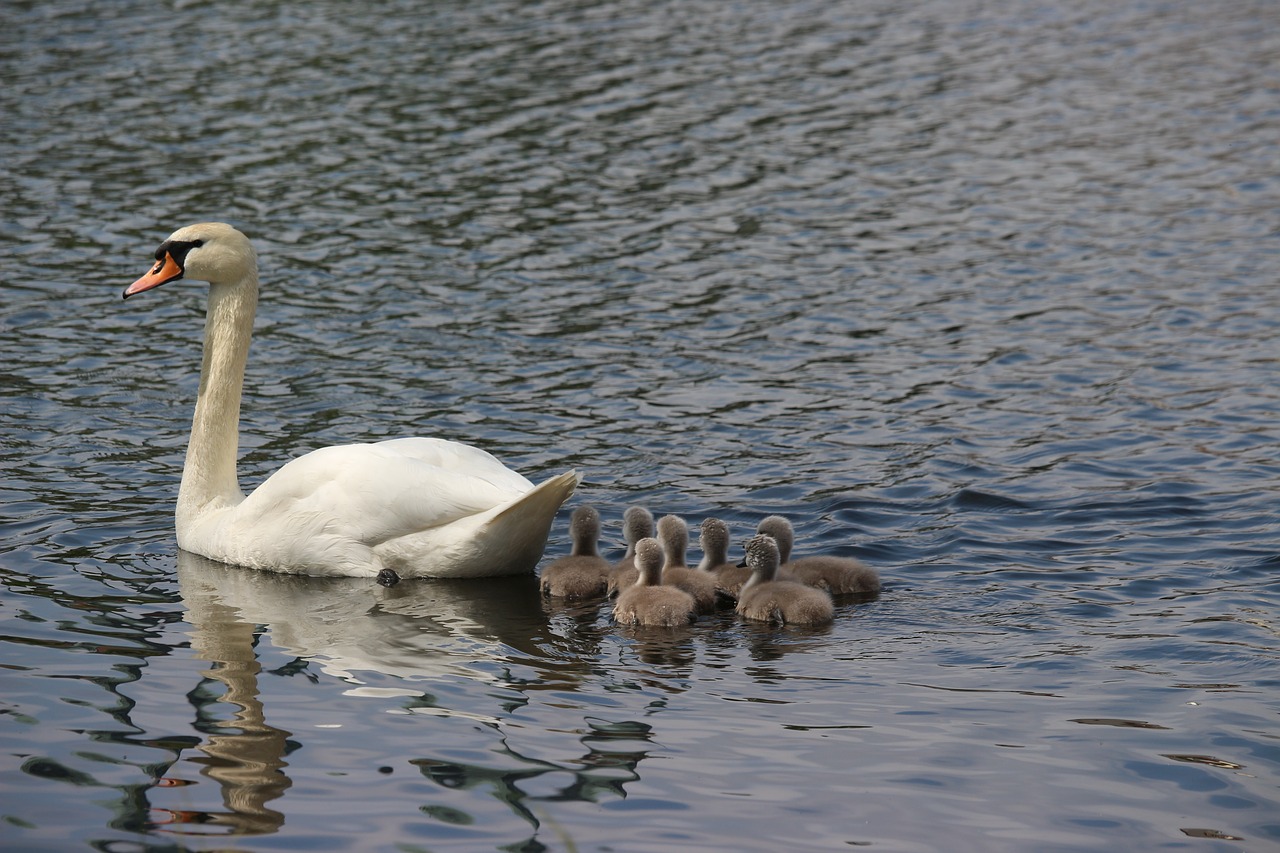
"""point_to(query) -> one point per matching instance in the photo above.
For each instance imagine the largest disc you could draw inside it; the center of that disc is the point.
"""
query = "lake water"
(983, 293)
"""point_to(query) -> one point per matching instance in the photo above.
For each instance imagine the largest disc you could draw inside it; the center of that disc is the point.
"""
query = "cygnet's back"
(637, 524)
(649, 601)
(583, 573)
(835, 575)
(673, 534)
(765, 599)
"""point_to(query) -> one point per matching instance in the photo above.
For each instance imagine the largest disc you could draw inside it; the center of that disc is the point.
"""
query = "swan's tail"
(506, 540)
(549, 494)
(521, 528)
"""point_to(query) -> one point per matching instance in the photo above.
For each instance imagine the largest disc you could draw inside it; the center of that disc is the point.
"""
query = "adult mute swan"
(411, 507)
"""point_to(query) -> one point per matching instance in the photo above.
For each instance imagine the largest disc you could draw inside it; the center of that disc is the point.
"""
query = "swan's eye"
(177, 249)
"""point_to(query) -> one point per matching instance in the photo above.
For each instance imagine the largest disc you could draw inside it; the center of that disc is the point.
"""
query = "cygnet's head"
(637, 523)
(762, 558)
(649, 561)
(673, 533)
(584, 530)
(781, 531)
(714, 540)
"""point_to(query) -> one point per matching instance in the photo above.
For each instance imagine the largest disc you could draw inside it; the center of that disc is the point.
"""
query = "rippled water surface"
(983, 293)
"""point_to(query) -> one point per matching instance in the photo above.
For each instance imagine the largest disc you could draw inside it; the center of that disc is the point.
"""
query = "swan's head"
(208, 251)
(762, 558)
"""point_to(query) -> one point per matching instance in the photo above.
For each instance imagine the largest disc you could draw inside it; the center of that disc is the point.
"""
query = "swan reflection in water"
(413, 633)
(244, 755)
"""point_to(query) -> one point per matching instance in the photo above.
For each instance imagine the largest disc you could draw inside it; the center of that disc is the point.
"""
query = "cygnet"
(648, 601)
(637, 524)
(673, 533)
(836, 575)
(765, 599)
(583, 573)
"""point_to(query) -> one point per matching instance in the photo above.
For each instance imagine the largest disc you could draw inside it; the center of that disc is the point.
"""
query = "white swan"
(413, 507)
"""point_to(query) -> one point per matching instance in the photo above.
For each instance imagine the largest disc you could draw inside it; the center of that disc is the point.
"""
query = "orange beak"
(165, 271)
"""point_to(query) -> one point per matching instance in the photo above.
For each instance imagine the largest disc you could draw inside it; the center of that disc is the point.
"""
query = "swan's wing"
(454, 456)
(375, 492)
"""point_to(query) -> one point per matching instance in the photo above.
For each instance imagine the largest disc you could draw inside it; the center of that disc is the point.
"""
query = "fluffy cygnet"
(648, 601)
(714, 540)
(637, 524)
(673, 534)
(583, 573)
(836, 575)
(783, 602)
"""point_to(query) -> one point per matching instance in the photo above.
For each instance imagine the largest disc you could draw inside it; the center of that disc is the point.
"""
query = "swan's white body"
(421, 507)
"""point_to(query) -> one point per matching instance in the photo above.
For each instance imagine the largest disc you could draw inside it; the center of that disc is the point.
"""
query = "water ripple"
(982, 294)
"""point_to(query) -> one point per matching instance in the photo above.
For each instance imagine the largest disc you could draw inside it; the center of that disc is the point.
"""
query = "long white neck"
(209, 478)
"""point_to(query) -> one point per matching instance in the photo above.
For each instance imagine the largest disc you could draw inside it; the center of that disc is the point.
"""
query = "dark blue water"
(984, 294)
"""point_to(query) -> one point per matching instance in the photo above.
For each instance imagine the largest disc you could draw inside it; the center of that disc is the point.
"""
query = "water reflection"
(415, 633)
(613, 752)
(413, 640)
(244, 755)
(349, 626)
(670, 648)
